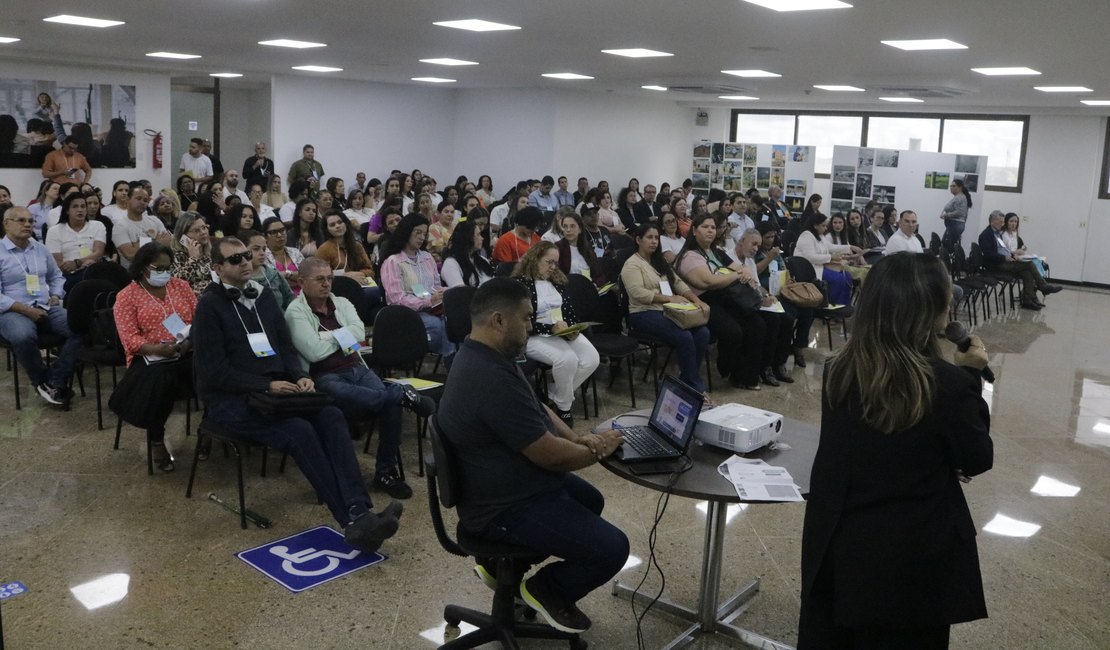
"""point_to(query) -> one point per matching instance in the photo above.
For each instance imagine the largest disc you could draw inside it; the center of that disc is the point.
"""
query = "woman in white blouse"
(463, 263)
(75, 241)
(607, 216)
(826, 258)
(357, 211)
(670, 242)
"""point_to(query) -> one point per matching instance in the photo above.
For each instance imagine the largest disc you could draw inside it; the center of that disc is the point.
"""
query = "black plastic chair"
(209, 430)
(350, 289)
(801, 270)
(607, 338)
(456, 316)
(101, 347)
(504, 269)
(47, 342)
(110, 271)
(500, 625)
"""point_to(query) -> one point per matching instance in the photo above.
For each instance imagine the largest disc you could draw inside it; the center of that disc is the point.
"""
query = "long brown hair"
(886, 367)
(529, 265)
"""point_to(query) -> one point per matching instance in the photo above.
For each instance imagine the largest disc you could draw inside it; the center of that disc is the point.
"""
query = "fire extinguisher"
(157, 136)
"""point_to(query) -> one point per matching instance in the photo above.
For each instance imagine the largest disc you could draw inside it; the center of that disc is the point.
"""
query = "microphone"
(956, 332)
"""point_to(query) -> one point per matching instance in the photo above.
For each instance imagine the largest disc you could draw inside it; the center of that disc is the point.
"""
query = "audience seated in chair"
(827, 259)
(996, 255)
(516, 461)
(242, 345)
(768, 261)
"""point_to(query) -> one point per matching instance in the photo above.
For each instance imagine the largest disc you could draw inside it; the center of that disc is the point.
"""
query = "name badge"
(724, 270)
(143, 240)
(420, 291)
(338, 272)
(585, 273)
(556, 314)
(346, 341)
(33, 286)
(370, 282)
(599, 251)
(175, 326)
(260, 345)
(84, 251)
(665, 288)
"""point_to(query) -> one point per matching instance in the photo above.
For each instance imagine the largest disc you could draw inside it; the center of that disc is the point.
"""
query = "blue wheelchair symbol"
(308, 559)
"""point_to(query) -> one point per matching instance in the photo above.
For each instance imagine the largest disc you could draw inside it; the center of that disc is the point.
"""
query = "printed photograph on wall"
(733, 184)
(799, 154)
(37, 115)
(700, 181)
(886, 157)
(749, 177)
(971, 181)
(842, 191)
(734, 151)
(863, 184)
(778, 176)
(763, 177)
(702, 149)
(750, 154)
(701, 165)
(967, 164)
(715, 173)
(883, 193)
(795, 203)
(844, 174)
(840, 206)
(732, 167)
(861, 203)
(866, 160)
(778, 155)
(940, 180)
(796, 187)
(718, 152)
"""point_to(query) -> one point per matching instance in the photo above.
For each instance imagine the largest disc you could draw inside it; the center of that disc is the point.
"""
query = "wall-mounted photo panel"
(702, 149)
(700, 181)
(738, 167)
(718, 152)
(863, 184)
(883, 193)
(967, 164)
(844, 174)
(801, 154)
(701, 165)
(763, 177)
(866, 160)
(886, 157)
(751, 153)
(778, 155)
(734, 152)
(842, 207)
(778, 176)
(843, 191)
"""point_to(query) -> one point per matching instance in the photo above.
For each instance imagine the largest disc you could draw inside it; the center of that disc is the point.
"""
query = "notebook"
(670, 427)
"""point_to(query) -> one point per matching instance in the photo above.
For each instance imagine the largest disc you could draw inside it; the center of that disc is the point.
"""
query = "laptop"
(670, 428)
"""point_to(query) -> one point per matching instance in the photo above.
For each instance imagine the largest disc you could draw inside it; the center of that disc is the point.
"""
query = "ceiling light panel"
(565, 75)
(923, 44)
(752, 74)
(434, 80)
(288, 42)
(1006, 72)
(658, 88)
(8, 39)
(800, 5)
(1063, 89)
(316, 68)
(841, 89)
(226, 75)
(738, 98)
(172, 55)
(448, 61)
(1096, 102)
(476, 25)
(903, 100)
(637, 53)
(82, 21)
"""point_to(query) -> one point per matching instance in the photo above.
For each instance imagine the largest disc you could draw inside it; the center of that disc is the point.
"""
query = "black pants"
(779, 338)
(803, 322)
(741, 339)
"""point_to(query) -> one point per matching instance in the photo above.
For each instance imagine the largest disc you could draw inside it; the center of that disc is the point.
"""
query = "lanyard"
(24, 261)
(235, 306)
(169, 297)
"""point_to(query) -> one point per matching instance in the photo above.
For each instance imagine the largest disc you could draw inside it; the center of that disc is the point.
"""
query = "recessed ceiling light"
(317, 68)
(1005, 72)
(434, 80)
(1063, 89)
(172, 55)
(476, 25)
(1096, 102)
(903, 100)
(448, 61)
(226, 75)
(8, 39)
(637, 53)
(738, 98)
(288, 42)
(659, 88)
(800, 5)
(841, 89)
(751, 74)
(82, 21)
(565, 75)
(926, 44)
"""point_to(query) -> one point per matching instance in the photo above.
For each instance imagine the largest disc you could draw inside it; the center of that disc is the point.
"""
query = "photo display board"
(737, 167)
(907, 180)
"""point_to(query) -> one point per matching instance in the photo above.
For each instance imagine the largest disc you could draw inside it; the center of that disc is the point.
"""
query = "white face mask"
(159, 278)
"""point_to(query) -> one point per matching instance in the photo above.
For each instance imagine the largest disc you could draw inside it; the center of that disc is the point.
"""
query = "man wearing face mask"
(243, 346)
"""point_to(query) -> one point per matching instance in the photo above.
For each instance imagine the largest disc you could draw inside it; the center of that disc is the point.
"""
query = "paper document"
(684, 306)
(775, 307)
(605, 288)
(755, 480)
(418, 384)
(576, 328)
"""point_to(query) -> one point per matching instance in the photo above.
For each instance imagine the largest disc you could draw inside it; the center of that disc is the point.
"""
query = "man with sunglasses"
(241, 346)
(31, 304)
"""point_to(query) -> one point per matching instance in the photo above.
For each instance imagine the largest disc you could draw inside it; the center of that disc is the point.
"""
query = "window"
(764, 129)
(999, 137)
(824, 131)
(904, 133)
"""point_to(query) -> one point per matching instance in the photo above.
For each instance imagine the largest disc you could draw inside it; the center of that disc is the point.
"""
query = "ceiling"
(382, 42)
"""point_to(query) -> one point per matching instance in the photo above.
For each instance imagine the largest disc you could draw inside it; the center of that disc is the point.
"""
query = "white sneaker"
(50, 394)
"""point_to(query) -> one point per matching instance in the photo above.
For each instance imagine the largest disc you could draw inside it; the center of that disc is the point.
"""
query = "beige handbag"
(687, 318)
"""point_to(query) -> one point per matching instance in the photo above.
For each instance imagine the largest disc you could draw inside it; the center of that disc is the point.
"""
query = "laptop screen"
(676, 412)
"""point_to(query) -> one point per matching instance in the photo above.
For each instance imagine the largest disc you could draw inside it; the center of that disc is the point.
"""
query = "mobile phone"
(185, 241)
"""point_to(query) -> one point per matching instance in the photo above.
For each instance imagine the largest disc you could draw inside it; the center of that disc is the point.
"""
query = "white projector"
(738, 428)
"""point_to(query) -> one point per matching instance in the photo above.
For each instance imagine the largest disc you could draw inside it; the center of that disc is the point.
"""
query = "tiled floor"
(73, 510)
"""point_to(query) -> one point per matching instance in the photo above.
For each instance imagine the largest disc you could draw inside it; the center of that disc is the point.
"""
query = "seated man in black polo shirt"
(242, 345)
(516, 458)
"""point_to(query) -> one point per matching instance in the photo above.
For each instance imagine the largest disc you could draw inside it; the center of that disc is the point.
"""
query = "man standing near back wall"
(307, 168)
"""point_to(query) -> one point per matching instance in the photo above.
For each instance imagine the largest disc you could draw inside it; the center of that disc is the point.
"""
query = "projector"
(738, 428)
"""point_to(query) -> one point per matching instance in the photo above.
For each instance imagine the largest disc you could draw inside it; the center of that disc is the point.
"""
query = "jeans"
(566, 524)
(689, 345)
(320, 445)
(358, 391)
(954, 232)
(437, 336)
(23, 335)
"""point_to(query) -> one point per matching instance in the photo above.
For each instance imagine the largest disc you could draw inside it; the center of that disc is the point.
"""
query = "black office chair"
(607, 338)
(350, 289)
(89, 316)
(802, 271)
(456, 316)
(512, 563)
(110, 271)
(212, 431)
(504, 269)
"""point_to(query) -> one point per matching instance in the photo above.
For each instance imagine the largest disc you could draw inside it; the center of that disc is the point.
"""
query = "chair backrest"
(350, 289)
(583, 295)
(456, 312)
(102, 333)
(80, 303)
(788, 239)
(442, 475)
(934, 243)
(975, 258)
(800, 269)
(110, 271)
(400, 339)
(504, 269)
(959, 262)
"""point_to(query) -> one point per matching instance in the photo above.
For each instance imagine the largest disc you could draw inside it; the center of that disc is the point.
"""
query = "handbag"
(802, 294)
(687, 318)
(277, 406)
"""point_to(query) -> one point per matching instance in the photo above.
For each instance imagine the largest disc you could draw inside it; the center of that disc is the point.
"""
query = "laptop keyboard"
(642, 440)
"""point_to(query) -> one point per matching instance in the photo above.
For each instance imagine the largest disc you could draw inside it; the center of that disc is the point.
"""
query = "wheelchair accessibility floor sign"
(308, 559)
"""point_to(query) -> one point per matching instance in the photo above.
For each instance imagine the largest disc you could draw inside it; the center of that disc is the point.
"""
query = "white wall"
(152, 111)
(507, 134)
(188, 106)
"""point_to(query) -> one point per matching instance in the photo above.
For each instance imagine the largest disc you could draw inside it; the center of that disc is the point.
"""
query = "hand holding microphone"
(970, 350)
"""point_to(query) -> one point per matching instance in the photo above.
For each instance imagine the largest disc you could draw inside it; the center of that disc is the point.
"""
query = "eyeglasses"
(278, 231)
(160, 269)
(322, 279)
(24, 221)
(239, 258)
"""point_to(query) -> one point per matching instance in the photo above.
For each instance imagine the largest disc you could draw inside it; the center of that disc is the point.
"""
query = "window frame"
(1104, 187)
(1104, 173)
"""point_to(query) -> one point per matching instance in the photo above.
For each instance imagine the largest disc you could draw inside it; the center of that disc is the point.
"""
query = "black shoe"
(1051, 288)
(565, 416)
(163, 460)
(567, 619)
(799, 360)
(782, 375)
(1031, 305)
(369, 530)
(55, 396)
(392, 484)
(421, 405)
(768, 377)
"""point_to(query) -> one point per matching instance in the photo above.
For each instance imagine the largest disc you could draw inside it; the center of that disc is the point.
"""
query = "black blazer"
(887, 523)
(627, 218)
(645, 212)
(993, 255)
